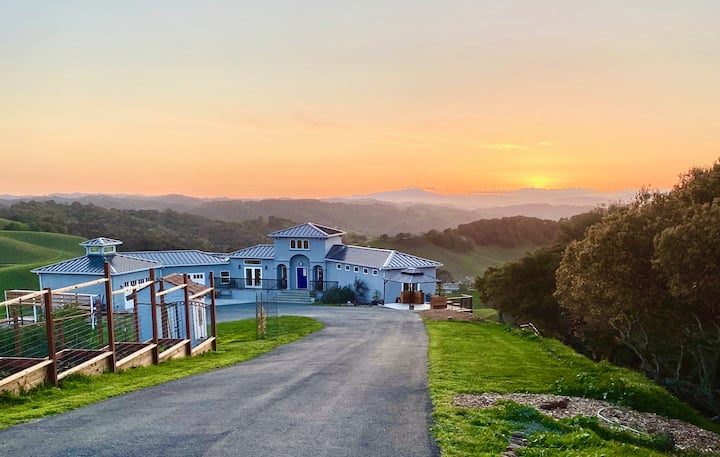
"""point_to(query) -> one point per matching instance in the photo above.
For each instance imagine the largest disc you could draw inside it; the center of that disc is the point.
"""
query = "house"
(124, 270)
(307, 259)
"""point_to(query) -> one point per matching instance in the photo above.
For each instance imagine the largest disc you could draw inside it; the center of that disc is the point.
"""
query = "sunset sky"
(326, 98)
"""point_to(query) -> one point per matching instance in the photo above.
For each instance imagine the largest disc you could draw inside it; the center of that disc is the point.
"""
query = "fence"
(267, 320)
(48, 335)
(269, 284)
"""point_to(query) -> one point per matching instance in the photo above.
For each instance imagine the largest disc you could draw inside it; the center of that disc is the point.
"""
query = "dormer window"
(299, 244)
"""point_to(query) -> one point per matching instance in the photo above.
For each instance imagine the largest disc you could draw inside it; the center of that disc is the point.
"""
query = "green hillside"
(22, 251)
(460, 264)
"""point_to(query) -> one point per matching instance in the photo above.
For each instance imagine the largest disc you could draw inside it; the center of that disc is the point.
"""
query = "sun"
(539, 182)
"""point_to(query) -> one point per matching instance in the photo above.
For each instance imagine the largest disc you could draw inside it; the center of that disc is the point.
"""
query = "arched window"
(292, 244)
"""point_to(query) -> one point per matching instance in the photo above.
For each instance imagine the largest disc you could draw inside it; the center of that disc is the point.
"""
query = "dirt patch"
(449, 315)
(686, 436)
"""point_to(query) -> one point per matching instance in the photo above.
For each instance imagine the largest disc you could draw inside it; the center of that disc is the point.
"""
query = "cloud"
(546, 143)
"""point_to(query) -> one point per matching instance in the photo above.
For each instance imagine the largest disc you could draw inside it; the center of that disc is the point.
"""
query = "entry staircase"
(294, 297)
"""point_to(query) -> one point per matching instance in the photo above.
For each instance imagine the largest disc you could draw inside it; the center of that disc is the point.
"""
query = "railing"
(322, 285)
(251, 283)
(269, 284)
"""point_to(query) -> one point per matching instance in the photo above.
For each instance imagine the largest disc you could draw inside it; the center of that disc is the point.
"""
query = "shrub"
(338, 295)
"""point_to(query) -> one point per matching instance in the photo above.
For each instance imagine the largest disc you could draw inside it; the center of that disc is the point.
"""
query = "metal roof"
(102, 241)
(179, 258)
(412, 276)
(357, 255)
(377, 258)
(403, 260)
(307, 230)
(260, 251)
(94, 265)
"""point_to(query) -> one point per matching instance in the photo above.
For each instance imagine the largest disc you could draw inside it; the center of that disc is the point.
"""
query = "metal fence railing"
(267, 319)
(271, 284)
(68, 330)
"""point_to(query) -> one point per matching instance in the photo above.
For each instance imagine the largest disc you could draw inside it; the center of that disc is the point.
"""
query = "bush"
(336, 295)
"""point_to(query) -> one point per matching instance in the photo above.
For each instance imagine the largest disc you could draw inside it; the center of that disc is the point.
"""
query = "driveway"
(356, 388)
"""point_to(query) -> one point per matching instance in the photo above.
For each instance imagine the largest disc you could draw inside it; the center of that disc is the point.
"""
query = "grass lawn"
(487, 357)
(21, 251)
(236, 343)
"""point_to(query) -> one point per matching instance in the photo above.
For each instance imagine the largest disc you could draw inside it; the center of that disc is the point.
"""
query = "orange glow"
(216, 102)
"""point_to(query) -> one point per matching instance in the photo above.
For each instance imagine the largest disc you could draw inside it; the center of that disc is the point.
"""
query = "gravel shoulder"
(685, 436)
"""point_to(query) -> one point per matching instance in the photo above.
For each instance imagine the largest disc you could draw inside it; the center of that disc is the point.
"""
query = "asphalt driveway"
(356, 388)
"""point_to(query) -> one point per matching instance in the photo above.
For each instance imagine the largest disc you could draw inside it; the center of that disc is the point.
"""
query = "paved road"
(356, 388)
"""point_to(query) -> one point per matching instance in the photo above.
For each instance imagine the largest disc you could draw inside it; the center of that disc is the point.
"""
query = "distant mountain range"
(519, 198)
(409, 210)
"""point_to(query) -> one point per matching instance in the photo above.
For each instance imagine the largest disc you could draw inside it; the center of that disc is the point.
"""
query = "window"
(365, 271)
(338, 266)
(108, 249)
(224, 277)
(94, 250)
(356, 269)
(375, 272)
(347, 267)
(299, 244)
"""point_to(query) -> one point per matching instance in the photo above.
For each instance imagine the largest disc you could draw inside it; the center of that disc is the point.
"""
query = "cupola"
(100, 246)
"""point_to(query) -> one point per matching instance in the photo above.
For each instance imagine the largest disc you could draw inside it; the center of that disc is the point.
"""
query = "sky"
(281, 98)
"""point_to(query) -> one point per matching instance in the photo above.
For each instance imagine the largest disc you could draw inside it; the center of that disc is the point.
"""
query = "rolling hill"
(461, 265)
(22, 251)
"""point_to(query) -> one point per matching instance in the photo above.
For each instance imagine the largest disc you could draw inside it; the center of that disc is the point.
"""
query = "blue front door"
(302, 278)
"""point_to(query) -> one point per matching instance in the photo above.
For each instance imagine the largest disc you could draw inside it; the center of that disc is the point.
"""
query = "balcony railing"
(268, 284)
(250, 283)
(322, 285)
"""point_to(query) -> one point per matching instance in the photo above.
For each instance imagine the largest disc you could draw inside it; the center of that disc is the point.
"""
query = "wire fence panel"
(22, 332)
(126, 326)
(80, 335)
(199, 322)
(267, 321)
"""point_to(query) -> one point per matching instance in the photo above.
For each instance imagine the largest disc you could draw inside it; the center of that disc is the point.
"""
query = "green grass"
(236, 343)
(488, 314)
(487, 357)
(20, 252)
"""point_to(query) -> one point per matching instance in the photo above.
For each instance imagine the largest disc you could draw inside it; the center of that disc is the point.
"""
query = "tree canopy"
(637, 283)
(142, 229)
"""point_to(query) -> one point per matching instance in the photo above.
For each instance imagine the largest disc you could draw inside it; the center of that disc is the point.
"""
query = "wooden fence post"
(187, 315)
(213, 321)
(153, 312)
(16, 329)
(50, 332)
(110, 321)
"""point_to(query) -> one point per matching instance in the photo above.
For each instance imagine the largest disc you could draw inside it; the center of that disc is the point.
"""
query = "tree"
(607, 284)
(647, 277)
(523, 290)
